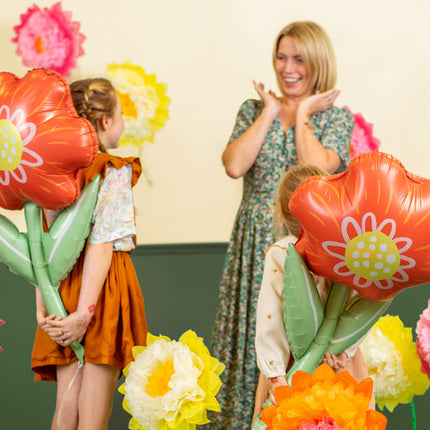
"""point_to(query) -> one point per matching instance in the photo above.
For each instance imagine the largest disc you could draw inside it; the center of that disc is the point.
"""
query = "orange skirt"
(117, 325)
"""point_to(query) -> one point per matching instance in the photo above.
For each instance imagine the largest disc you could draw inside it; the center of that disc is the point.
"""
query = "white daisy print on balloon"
(371, 252)
(15, 134)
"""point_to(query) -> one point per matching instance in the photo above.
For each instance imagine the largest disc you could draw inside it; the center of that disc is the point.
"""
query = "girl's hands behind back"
(71, 328)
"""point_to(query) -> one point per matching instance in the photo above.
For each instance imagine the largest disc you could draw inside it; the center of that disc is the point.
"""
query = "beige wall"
(208, 52)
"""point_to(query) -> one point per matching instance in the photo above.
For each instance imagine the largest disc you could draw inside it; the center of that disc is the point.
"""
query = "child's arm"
(97, 262)
(271, 343)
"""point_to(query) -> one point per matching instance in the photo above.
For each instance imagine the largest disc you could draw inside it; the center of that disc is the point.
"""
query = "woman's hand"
(70, 329)
(318, 102)
(336, 362)
(271, 103)
(273, 383)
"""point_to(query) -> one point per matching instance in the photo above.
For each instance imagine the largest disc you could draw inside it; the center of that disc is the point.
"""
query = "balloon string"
(68, 389)
(414, 417)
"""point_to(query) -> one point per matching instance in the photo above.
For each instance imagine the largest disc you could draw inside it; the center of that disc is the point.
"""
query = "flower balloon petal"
(48, 38)
(171, 385)
(393, 364)
(324, 400)
(368, 227)
(44, 141)
(143, 100)
(423, 340)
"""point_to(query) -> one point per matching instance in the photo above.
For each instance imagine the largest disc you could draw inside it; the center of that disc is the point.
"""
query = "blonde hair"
(314, 46)
(94, 98)
(291, 179)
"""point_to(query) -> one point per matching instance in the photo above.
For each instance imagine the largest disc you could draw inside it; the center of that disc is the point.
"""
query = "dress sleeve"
(113, 216)
(247, 114)
(271, 343)
(337, 134)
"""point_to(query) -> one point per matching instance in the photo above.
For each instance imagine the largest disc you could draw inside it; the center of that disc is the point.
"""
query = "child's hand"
(45, 323)
(273, 383)
(71, 328)
(336, 362)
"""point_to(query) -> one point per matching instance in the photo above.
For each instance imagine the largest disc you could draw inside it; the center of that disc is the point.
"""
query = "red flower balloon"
(368, 227)
(43, 141)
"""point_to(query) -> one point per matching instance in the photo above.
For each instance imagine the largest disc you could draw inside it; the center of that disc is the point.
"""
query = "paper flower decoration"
(423, 340)
(368, 227)
(45, 142)
(323, 400)
(144, 102)
(48, 38)
(171, 385)
(393, 364)
(362, 139)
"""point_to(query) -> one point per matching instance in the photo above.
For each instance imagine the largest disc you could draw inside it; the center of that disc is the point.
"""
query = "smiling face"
(291, 71)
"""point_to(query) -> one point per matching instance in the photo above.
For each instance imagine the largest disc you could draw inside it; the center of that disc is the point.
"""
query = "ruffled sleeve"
(113, 217)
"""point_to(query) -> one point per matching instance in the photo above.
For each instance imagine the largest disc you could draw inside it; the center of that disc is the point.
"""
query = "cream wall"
(208, 52)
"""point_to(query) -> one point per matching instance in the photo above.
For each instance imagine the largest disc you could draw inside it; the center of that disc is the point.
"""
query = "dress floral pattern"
(234, 329)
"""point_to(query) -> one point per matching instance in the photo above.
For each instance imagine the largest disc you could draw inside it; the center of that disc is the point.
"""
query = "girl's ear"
(104, 122)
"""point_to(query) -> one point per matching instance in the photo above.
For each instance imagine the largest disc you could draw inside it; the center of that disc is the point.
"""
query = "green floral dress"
(234, 329)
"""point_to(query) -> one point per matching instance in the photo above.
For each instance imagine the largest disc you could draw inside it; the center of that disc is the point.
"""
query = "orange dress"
(119, 320)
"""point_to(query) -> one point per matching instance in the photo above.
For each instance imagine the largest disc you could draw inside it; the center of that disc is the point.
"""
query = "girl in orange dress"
(101, 294)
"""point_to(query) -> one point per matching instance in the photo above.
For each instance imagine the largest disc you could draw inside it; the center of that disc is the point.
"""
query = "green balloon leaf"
(14, 250)
(303, 311)
(355, 321)
(66, 237)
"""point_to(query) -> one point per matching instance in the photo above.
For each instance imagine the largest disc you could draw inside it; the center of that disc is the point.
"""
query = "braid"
(92, 99)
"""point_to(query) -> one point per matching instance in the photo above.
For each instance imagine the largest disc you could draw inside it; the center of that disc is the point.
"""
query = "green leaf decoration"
(67, 234)
(355, 321)
(14, 250)
(303, 311)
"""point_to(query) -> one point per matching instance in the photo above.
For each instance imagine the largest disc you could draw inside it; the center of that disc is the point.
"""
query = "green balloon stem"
(336, 301)
(50, 294)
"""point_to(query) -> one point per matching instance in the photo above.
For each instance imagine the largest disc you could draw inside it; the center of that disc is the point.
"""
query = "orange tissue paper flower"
(324, 400)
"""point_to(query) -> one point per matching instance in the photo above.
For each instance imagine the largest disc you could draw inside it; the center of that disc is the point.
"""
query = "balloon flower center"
(127, 105)
(372, 255)
(158, 381)
(10, 146)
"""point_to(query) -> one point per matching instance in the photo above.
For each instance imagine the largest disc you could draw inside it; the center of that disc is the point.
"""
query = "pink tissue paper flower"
(48, 38)
(327, 423)
(423, 340)
(362, 139)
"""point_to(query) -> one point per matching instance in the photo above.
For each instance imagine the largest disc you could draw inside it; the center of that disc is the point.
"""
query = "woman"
(271, 134)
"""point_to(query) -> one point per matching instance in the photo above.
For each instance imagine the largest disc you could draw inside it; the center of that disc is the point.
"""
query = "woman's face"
(291, 72)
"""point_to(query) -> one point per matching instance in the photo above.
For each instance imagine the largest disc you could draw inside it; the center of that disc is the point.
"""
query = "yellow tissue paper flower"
(170, 385)
(143, 100)
(393, 363)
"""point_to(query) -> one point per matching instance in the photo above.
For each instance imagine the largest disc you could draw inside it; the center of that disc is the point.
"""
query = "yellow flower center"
(158, 381)
(10, 146)
(128, 106)
(372, 255)
(39, 44)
